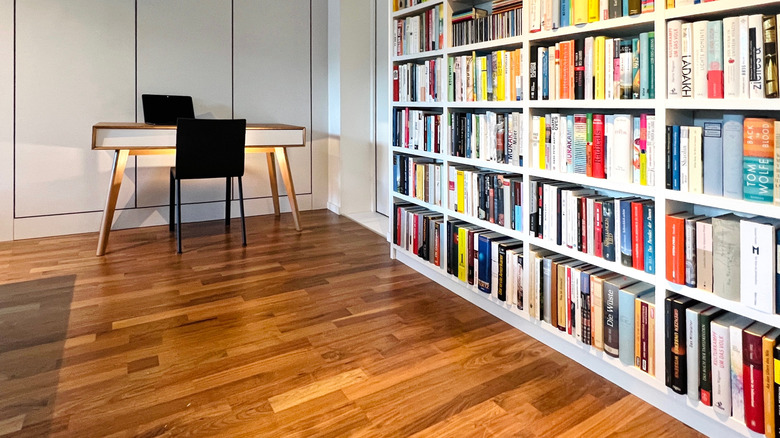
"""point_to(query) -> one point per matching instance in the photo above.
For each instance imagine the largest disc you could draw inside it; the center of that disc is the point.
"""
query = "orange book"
(759, 138)
(566, 64)
(675, 247)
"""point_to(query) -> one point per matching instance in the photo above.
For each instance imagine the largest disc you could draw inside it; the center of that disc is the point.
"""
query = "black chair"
(208, 148)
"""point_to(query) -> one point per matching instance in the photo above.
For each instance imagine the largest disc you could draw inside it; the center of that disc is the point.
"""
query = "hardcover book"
(726, 256)
(675, 336)
(705, 354)
(693, 351)
(737, 387)
(753, 375)
(627, 296)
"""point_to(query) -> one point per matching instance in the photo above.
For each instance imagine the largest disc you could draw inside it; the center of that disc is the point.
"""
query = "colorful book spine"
(758, 160)
(715, 59)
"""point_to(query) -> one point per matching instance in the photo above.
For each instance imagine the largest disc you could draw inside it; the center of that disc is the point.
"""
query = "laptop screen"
(162, 109)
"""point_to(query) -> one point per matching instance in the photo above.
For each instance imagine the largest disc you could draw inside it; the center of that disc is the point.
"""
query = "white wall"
(6, 119)
(84, 61)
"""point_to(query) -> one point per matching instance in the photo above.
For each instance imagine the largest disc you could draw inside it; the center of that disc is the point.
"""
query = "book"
(737, 387)
(699, 59)
(712, 151)
(627, 296)
(693, 350)
(675, 247)
(731, 66)
(695, 168)
(756, 48)
(721, 363)
(770, 56)
(675, 338)
(758, 160)
(648, 211)
(768, 347)
(644, 332)
(690, 250)
(674, 58)
(758, 262)
(704, 254)
(705, 354)
(732, 155)
(686, 60)
(715, 59)
(726, 256)
(753, 375)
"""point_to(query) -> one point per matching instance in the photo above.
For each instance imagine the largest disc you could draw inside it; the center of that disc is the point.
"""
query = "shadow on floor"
(33, 329)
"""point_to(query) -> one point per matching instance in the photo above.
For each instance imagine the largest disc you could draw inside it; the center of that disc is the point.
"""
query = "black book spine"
(449, 247)
(634, 7)
(608, 230)
(579, 69)
(540, 210)
(559, 225)
(611, 318)
(534, 216)
(532, 74)
(580, 213)
(669, 158)
(501, 287)
(668, 341)
(679, 381)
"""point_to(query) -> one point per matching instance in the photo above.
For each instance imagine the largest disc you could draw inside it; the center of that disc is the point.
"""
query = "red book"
(715, 84)
(598, 247)
(415, 244)
(432, 78)
(598, 146)
(399, 238)
(753, 374)
(584, 207)
(637, 235)
(675, 247)
(436, 250)
(395, 83)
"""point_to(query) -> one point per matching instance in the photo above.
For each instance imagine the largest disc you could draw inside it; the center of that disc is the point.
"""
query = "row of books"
(598, 67)
(615, 229)
(418, 230)
(730, 256)
(608, 311)
(416, 129)
(480, 77)
(477, 25)
(735, 58)
(732, 157)
(403, 4)
(618, 147)
(417, 177)
(413, 82)
(553, 14)
(725, 361)
(419, 33)
(491, 136)
(489, 261)
(486, 195)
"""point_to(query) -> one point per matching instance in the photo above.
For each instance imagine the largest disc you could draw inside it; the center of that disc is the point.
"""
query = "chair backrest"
(210, 148)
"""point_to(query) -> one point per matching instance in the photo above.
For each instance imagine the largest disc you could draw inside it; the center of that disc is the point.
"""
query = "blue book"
(759, 178)
(625, 12)
(565, 13)
(626, 298)
(625, 232)
(608, 230)
(467, 138)
(648, 211)
(651, 69)
(675, 157)
(545, 75)
(587, 323)
(518, 218)
(732, 155)
(484, 263)
(396, 174)
(712, 154)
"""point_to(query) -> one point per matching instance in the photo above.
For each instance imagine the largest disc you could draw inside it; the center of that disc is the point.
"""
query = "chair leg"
(171, 204)
(241, 208)
(227, 201)
(178, 215)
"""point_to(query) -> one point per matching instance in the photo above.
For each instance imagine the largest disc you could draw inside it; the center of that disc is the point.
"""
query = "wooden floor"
(305, 334)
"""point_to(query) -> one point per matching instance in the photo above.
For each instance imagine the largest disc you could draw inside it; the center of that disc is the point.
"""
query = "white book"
(511, 281)
(590, 229)
(622, 149)
(609, 135)
(564, 145)
(535, 16)
(589, 67)
(576, 298)
(507, 203)
(453, 178)
(721, 363)
(731, 67)
(683, 158)
(571, 204)
(552, 71)
(650, 148)
(494, 267)
(680, 3)
(744, 58)
(756, 40)
(555, 141)
(555, 14)
(692, 346)
(686, 60)
(700, 59)
(737, 388)
(674, 58)
(564, 217)
(609, 53)
(695, 170)
(757, 263)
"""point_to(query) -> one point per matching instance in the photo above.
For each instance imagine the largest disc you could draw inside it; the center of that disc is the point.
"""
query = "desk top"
(143, 137)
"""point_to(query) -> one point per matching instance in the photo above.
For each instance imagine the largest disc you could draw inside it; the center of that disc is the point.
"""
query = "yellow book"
(768, 350)
(669, 4)
(598, 67)
(462, 247)
(461, 197)
(419, 175)
(483, 77)
(542, 142)
(593, 11)
(580, 11)
(500, 91)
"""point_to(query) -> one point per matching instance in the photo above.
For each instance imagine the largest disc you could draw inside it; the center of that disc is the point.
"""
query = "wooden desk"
(141, 139)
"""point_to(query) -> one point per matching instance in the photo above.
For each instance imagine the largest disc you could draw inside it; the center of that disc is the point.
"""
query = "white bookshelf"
(667, 111)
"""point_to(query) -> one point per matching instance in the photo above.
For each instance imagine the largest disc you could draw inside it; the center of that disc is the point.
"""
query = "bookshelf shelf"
(735, 205)
(593, 260)
(416, 9)
(418, 153)
(616, 26)
(720, 8)
(628, 189)
(486, 164)
(667, 111)
(629, 104)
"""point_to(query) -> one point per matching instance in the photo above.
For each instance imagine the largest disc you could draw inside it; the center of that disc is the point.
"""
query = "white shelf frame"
(651, 389)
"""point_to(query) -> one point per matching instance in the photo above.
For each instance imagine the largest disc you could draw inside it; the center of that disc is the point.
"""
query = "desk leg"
(117, 172)
(284, 166)
(274, 185)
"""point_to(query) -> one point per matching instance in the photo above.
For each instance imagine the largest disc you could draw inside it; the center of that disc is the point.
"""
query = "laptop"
(162, 109)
